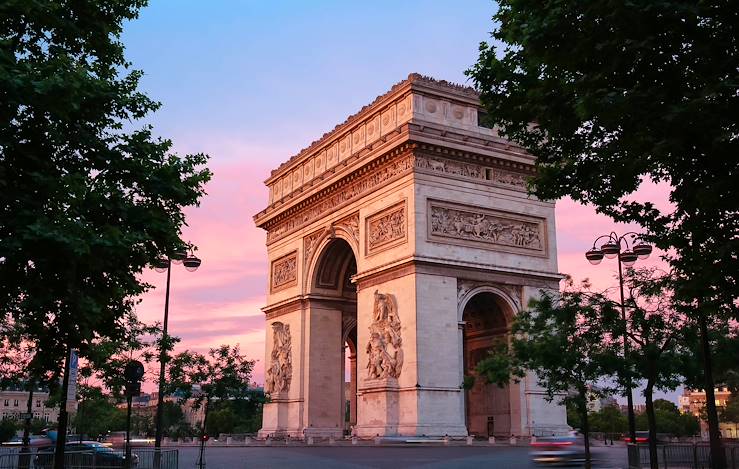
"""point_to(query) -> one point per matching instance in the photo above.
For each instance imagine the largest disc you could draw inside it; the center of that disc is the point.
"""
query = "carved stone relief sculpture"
(485, 226)
(351, 225)
(280, 370)
(285, 271)
(385, 345)
(386, 228)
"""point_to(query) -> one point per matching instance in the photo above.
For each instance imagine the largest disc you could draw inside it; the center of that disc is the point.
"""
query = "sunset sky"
(251, 83)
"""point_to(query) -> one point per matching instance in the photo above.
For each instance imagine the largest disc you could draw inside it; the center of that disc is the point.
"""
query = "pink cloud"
(220, 303)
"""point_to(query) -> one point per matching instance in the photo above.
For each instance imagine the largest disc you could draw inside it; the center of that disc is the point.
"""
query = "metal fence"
(143, 458)
(676, 456)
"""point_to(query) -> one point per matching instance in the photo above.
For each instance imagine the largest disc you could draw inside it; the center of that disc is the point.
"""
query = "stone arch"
(315, 249)
(486, 313)
(510, 305)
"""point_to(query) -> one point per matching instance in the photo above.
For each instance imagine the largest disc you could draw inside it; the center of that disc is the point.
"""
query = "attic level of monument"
(408, 129)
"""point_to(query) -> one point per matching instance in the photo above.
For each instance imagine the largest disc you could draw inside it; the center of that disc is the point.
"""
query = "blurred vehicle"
(85, 454)
(117, 439)
(558, 450)
(641, 437)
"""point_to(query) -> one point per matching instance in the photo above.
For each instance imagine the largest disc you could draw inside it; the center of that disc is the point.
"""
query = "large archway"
(487, 407)
(332, 282)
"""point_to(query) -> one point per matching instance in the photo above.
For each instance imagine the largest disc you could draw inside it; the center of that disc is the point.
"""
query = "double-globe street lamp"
(191, 264)
(627, 253)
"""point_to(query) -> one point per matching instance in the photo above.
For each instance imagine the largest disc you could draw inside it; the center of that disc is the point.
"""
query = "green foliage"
(38, 426)
(243, 415)
(562, 340)
(142, 423)
(468, 381)
(97, 414)
(106, 362)
(730, 412)
(618, 94)
(498, 367)
(221, 420)
(88, 196)
(172, 417)
(574, 419)
(8, 429)
(669, 420)
(216, 378)
(609, 420)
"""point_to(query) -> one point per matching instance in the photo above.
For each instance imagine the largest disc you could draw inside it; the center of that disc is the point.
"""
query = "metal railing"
(676, 456)
(143, 458)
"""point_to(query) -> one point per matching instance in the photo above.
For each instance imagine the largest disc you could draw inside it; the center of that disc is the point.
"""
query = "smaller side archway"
(486, 317)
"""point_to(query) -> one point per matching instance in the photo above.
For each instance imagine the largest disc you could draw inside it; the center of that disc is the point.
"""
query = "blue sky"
(253, 82)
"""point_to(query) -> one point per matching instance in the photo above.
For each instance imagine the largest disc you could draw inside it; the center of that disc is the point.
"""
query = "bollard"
(229, 441)
(377, 439)
(491, 440)
(310, 440)
(512, 441)
(470, 439)
(355, 440)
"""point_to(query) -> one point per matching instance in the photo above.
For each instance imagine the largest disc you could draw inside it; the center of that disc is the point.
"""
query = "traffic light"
(133, 388)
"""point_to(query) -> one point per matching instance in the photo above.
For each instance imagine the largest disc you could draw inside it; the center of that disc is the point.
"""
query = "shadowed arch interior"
(336, 266)
(487, 406)
(332, 282)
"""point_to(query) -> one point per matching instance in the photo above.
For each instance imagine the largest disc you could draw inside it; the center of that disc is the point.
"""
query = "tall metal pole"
(25, 455)
(629, 396)
(129, 400)
(162, 367)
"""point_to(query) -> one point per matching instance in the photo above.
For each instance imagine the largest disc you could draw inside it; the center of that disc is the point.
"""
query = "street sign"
(72, 386)
(25, 415)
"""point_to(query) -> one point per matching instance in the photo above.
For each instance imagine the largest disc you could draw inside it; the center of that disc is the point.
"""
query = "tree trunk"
(651, 418)
(203, 433)
(583, 406)
(61, 427)
(718, 457)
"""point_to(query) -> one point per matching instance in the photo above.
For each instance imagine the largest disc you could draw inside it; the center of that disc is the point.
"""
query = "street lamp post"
(191, 263)
(612, 248)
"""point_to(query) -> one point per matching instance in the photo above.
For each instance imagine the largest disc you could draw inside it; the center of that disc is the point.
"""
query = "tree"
(8, 428)
(220, 375)
(606, 96)
(669, 420)
(97, 414)
(654, 332)
(560, 339)
(106, 361)
(87, 199)
(730, 412)
(608, 420)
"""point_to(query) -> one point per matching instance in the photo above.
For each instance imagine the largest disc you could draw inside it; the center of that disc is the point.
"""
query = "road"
(380, 457)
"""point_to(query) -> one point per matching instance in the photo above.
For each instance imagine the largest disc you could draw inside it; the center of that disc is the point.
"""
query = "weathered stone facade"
(403, 242)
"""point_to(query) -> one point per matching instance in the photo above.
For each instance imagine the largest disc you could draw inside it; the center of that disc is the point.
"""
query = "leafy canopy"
(606, 95)
(88, 197)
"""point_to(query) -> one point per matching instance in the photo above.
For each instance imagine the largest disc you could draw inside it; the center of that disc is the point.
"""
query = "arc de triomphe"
(401, 244)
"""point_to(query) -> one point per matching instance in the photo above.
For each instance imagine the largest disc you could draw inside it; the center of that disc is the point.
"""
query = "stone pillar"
(353, 389)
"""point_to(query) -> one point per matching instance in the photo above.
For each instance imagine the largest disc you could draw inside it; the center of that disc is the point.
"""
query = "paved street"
(378, 457)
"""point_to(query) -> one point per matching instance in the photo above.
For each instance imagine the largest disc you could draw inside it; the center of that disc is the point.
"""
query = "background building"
(693, 401)
(14, 403)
